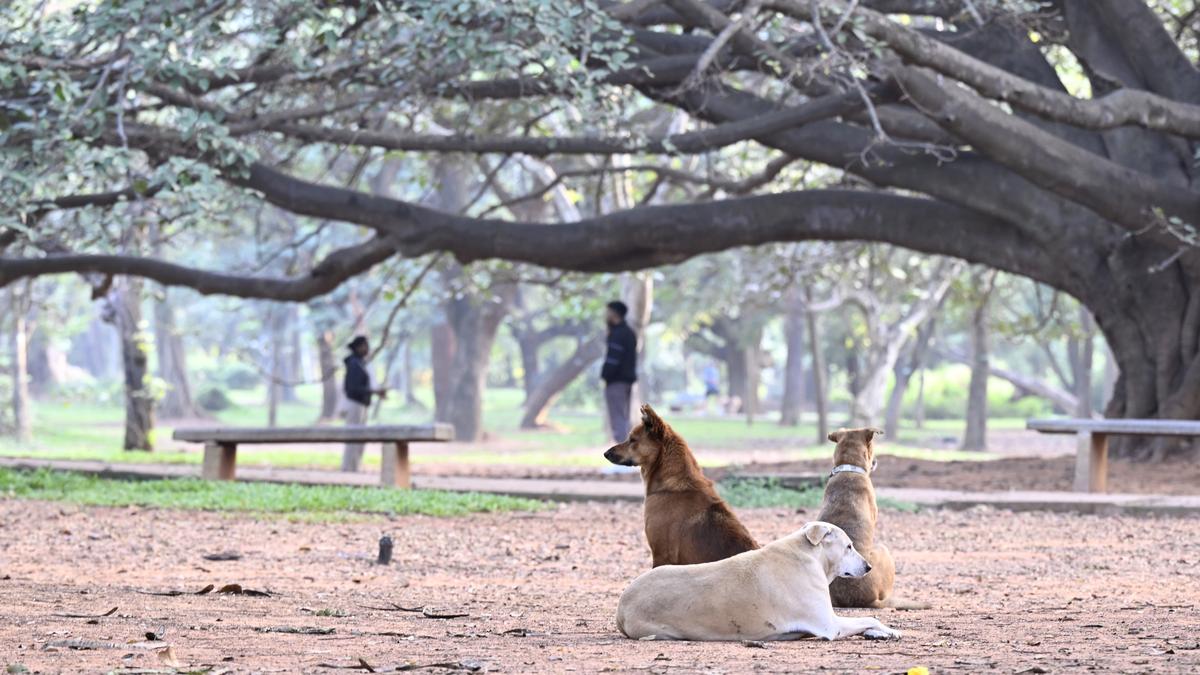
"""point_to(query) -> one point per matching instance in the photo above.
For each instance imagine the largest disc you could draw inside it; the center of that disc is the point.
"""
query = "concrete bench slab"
(220, 444)
(1091, 449)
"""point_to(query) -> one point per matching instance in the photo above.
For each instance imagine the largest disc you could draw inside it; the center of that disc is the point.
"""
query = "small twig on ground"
(296, 630)
(68, 615)
(432, 614)
(395, 608)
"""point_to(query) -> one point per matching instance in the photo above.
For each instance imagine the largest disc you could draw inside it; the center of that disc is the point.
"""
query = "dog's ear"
(836, 436)
(651, 422)
(872, 433)
(815, 532)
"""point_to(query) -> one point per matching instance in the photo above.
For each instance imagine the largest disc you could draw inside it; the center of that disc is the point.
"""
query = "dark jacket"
(357, 384)
(620, 361)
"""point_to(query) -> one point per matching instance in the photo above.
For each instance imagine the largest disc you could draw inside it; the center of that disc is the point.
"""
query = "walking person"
(619, 371)
(358, 391)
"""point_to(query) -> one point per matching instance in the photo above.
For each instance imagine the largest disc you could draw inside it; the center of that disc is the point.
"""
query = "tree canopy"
(1055, 140)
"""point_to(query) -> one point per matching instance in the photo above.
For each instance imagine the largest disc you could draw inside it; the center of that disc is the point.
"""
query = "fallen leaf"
(236, 589)
(756, 644)
(167, 656)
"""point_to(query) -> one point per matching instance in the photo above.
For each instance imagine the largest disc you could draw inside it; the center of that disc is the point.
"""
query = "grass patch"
(757, 493)
(268, 498)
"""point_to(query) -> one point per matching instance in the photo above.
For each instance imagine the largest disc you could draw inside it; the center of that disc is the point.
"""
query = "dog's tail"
(902, 604)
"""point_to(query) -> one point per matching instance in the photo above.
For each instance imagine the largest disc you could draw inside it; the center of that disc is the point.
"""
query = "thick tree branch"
(719, 136)
(332, 271)
(1122, 195)
(1120, 108)
(657, 235)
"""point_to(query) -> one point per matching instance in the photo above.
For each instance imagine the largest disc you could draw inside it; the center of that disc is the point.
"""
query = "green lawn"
(302, 501)
(90, 431)
(753, 493)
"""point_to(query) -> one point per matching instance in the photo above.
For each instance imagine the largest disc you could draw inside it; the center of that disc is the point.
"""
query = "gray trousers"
(356, 416)
(618, 396)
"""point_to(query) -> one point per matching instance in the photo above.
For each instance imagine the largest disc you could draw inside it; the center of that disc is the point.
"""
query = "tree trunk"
(537, 406)
(1083, 365)
(442, 349)
(736, 372)
(474, 322)
(126, 313)
(276, 319)
(753, 359)
(292, 367)
(40, 372)
(793, 373)
(903, 375)
(410, 395)
(177, 402)
(975, 435)
(18, 341)
(919, 411)
(529, 361)
(329, 379)
(638, 291)
(820, 393)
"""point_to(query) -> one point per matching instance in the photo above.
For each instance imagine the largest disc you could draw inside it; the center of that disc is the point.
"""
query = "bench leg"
(395, 471)
(219, 461)
(1091, 462)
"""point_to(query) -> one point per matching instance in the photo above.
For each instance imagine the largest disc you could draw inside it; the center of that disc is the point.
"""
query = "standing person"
(357, 387)
(620, 369)
(712, 381)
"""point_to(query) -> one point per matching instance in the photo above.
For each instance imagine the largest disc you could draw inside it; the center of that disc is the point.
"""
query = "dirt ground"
(1013, 593)
(1011, 473)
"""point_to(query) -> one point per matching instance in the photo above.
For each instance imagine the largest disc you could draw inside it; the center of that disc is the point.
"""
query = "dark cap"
(619, 307)
(358, 340)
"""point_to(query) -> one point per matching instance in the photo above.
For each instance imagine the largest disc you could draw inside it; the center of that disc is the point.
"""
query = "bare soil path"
(1012, 593)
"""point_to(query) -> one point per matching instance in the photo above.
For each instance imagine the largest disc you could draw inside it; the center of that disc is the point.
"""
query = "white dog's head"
(833, 547)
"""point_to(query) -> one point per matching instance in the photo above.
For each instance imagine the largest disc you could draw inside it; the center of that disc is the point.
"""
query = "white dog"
(778, 592)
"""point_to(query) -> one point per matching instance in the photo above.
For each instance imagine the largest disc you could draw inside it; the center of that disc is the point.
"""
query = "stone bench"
(1091, 450)
(221, 443)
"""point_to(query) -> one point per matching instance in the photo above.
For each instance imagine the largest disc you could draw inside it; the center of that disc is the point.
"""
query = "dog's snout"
(867, 568)
(611, 454)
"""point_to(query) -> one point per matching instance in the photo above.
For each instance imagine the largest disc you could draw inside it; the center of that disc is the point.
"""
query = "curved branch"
(332, 271)
(659, 235)
(716, 137)
(1123, 107)
(1115, 192)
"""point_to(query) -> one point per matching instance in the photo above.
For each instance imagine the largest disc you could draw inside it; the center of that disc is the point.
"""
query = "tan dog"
(687, 522)
(778, 592)
(850, 504)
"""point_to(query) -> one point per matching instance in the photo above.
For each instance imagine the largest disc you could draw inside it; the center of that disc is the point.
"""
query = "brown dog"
(850, 504)
(687, 522)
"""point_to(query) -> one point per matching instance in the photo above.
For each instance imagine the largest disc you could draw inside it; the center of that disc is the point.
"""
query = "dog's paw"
(883, 633)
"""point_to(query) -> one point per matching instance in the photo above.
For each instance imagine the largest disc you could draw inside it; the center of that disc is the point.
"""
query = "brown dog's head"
(644, 442)
(854, 446)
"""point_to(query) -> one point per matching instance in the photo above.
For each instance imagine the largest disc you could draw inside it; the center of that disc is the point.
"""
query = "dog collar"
(851, 468)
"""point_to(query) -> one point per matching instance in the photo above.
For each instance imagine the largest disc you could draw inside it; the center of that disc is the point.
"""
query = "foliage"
(945, 397)
(253, 497)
